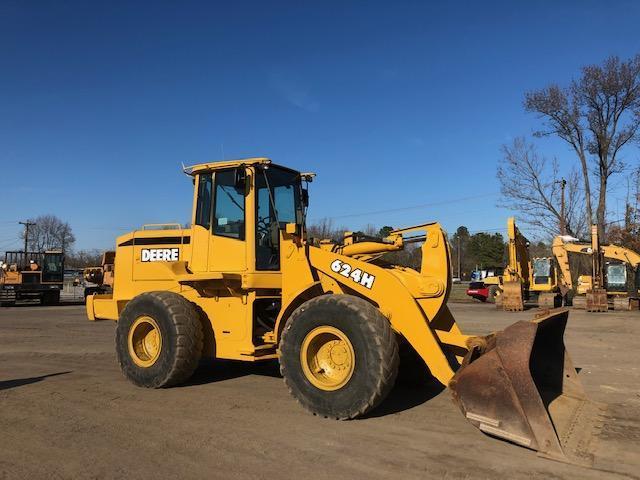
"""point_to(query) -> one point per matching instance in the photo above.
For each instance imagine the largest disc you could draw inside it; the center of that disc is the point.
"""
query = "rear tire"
(357, 327)
(158, 340)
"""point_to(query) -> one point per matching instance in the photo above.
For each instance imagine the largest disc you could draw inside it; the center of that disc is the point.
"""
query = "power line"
(413, 207)
(7, 245)
(12, 237)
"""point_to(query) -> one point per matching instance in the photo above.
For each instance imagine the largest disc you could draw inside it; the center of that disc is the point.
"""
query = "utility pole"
(26, 235)
(563, 221)
(459, 251)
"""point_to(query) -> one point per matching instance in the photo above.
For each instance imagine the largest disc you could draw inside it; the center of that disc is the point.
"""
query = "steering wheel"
(263, 227)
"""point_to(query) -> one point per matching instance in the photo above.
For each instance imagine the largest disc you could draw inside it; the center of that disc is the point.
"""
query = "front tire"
(158, 340)
(339, 356)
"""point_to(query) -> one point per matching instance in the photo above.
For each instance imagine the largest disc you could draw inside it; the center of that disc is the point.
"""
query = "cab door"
(228, 245)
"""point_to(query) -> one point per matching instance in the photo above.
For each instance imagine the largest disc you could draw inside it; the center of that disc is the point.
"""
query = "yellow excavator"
(246, 283)
(614, 278)
(527, 278)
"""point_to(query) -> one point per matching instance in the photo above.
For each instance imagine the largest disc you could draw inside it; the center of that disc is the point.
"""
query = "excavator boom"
(516, 278)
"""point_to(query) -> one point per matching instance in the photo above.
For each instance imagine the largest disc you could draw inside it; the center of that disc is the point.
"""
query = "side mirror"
(305, 197)
(240, 179)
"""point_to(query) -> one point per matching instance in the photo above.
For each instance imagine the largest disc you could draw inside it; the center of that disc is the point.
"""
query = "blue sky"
(393, 104)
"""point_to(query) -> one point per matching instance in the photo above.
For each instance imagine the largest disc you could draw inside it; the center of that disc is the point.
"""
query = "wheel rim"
(327, 358)
(145, 341)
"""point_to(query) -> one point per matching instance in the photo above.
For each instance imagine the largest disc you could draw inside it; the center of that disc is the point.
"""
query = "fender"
(395, 302)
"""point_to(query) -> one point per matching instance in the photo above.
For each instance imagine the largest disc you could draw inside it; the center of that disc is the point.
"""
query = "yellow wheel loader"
(244, 282)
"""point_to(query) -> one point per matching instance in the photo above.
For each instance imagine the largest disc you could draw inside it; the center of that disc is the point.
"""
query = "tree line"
(468, 251)
(472, 251)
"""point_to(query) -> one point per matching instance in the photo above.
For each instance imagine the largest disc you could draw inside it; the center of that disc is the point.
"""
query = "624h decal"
(363, 278)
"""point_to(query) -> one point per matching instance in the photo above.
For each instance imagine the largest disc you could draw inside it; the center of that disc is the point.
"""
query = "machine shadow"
(26, 304)
(19, 382)
(406, 395)
(409, 391)
(221, 370)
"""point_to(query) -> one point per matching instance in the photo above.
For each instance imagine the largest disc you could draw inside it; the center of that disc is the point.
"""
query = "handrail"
(162, 226)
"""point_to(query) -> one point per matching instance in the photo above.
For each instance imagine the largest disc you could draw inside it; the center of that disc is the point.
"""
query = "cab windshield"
(617, 276)
(541, 270)
(52, 267)
(278, 202)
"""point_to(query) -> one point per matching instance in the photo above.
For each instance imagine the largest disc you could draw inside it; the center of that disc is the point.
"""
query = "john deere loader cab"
(243, 283)
(239, 213)
(231, 226)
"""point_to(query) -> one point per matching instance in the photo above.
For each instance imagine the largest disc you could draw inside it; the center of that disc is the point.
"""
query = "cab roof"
(209, 166)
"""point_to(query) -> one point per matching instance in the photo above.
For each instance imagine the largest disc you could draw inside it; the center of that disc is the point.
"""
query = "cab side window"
(203, 208)
(229, 206)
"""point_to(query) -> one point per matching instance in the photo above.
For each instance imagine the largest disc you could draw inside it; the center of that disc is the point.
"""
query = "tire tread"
(378, 330)
(188, 341)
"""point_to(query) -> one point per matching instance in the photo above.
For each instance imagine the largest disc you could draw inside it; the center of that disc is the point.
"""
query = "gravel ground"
(67, 412)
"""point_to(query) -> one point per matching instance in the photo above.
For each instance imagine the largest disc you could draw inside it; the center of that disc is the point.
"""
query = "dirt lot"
(66, 411)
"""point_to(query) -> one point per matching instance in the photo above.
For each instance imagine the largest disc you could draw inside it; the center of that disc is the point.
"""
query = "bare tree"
(49, 232)
(370, 230)
(627, 234)
(321, 229)
(324, 229)
(597, 115)
(530, 184)
(84, 258)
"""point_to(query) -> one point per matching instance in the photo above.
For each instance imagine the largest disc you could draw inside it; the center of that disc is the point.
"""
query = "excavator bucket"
(597, 300)
(520, 385)
(549, 300)
(512, 296)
